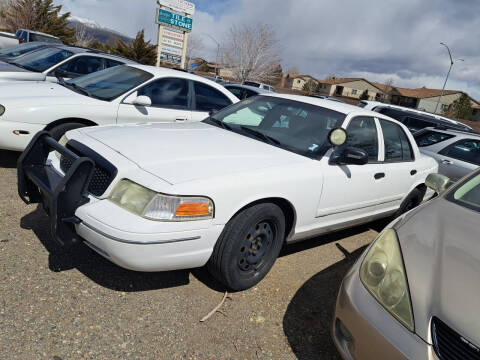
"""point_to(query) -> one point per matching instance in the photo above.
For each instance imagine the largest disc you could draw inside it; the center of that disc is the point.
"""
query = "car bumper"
(363, 329)
(171, 246)
(10, 141)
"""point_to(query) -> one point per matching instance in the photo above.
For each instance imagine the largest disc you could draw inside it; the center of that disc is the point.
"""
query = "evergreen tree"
(364, 95)
(311, 87)
(137, 50)
(460, 108)
(38, 15)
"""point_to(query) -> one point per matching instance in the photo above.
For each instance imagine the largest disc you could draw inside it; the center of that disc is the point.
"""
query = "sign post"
(174, 19)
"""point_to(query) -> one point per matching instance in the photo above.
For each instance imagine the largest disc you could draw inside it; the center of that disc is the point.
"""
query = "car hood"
(9, 72)
(180, 152)
(39, 94)
(441, 250)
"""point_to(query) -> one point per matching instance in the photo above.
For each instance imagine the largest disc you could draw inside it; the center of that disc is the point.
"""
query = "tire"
(58, 131)
(248, 246)
(411, 201)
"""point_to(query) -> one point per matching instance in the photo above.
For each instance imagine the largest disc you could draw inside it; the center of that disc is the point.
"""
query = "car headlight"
(383, 274)
(2, 110)
(63, 141)
(154, 206)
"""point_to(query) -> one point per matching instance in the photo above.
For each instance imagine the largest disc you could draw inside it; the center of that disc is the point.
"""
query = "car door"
(350, 191)
(459, 158)
(206, 99)
(398, 165)
(78, 66)
(170, 98)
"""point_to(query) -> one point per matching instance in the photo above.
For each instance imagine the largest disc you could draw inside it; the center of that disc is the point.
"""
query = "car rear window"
(428, 138)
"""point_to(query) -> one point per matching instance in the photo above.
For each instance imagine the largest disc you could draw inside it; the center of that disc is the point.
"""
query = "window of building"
(354, 92)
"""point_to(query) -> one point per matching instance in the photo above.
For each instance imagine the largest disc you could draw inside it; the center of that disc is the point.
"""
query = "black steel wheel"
(248, 246)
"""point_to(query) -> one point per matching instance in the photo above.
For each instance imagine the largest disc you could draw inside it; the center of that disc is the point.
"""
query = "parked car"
(225, 191)
(7, 40)
(457, 152)
(11, 53)
(50, 63)
(118, 95)
(244, 91)
(413, 294)
(26, 36)
(260, 85)
(414, 119)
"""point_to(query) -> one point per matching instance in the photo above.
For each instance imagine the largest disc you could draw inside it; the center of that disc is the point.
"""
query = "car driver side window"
(362, 134)
(170, 93)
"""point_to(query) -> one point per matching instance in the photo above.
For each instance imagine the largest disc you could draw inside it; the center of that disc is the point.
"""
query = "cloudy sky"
(375, 39)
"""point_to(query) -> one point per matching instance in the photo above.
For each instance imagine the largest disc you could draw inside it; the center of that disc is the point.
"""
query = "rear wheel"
(248, 246)
(58, 131)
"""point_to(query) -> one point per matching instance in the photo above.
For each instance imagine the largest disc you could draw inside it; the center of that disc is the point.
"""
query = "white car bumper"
(11, 141)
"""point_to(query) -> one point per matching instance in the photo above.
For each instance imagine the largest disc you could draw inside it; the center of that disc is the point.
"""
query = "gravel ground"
(77, 305)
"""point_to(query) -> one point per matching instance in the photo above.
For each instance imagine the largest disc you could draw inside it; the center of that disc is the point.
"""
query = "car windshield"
(292, 125)
(49, 39)
(43, 59)
(20, 49)
(110, 83)
(468, 194)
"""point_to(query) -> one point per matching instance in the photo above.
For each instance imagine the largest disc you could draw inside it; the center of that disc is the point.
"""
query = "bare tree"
(194, 47)
(83, 38)
(251, 53)
(293, 70)
(388, 90)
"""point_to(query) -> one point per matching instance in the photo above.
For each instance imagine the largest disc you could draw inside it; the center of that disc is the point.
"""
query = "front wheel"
(248, 246)
(411, 201)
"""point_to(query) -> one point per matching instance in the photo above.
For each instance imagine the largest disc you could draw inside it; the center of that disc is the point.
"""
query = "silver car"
(414, 293)
(457, 152)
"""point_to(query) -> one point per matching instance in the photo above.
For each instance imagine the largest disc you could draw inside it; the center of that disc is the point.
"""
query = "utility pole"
(218, 52)
(448, 74)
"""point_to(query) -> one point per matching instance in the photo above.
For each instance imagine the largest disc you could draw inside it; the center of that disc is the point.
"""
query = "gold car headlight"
(383, 274)
(2, 110)
(154, 206)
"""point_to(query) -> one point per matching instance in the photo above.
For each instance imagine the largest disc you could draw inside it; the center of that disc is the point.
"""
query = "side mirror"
(349, 156)
(60, 73)
(437, 182)
(142, 100)
(337, 137)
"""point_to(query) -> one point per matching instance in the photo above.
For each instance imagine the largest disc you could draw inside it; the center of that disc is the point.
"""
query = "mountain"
(89, 29)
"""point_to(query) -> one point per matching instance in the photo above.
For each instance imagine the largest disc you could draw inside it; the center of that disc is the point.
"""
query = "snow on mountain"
(86, 22)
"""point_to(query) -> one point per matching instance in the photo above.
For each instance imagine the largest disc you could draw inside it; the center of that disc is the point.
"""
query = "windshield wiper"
(78, 88)
(220, 123)
(260, 135)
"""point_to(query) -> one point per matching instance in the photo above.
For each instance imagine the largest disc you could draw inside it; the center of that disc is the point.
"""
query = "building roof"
(423, 93)
(335, 81)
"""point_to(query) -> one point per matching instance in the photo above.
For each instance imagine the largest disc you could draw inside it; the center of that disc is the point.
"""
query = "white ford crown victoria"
(228, 191)
(118, 95)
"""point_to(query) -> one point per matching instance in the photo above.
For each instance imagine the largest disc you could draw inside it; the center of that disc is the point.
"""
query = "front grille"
(103, 174)
(449, 345)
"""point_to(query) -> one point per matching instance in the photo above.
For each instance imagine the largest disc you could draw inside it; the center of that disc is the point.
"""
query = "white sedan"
(229, 191)
(118, 95)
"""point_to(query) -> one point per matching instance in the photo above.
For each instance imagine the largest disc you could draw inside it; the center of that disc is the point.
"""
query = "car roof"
(38, 32)
(82, 50)
(451, 132)
(248, 87)
(332, 105)
(165, 72)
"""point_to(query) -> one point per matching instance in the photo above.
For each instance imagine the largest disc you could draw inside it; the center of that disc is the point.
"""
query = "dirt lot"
(77, 305)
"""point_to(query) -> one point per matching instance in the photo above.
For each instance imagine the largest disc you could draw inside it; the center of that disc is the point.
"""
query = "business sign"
(172, 42)
(169, 18)
(171, 58)
(173, 34)
(179, 5)
(171, 50)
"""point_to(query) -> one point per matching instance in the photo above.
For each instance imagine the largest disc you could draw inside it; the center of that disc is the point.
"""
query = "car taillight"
(20, 41)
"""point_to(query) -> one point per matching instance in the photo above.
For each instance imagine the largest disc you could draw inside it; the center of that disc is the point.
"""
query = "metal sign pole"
(159, 46)
(184, 52)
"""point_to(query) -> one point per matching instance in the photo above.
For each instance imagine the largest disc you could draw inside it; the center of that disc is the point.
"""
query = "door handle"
(181, 119)
(447, 162)
(413, 172)
(379, 176)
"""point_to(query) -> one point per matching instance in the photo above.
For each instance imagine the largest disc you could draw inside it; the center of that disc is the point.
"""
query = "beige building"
(297, 81)
(350, 87)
